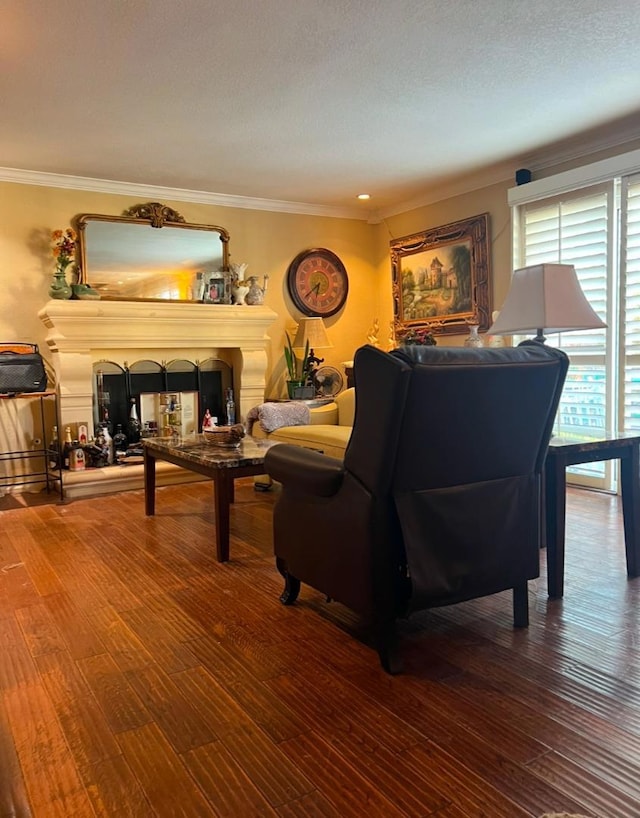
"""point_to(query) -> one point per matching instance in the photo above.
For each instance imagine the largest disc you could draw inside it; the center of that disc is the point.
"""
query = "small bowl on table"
(228, 437)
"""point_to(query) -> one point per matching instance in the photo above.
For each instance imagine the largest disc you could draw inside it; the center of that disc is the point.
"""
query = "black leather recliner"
(438, 498)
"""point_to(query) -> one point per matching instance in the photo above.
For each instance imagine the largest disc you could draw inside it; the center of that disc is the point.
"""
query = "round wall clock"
(318, 282)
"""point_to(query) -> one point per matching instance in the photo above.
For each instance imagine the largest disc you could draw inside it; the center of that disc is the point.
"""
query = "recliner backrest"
(477, 414)
(475, 432)
(381, 383)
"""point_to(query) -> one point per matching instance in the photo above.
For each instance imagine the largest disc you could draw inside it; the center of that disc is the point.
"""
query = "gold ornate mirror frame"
(163, 263)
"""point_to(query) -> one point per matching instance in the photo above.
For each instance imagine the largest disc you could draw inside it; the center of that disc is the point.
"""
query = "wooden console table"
(569, 451)
(221, 465)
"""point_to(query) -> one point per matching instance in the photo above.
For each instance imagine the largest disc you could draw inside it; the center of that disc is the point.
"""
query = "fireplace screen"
(117, 388)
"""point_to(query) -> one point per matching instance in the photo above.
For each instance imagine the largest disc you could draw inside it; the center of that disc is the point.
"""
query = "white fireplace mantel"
(81, 333)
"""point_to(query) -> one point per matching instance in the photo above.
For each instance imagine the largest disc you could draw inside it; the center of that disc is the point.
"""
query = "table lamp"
(545, 298)
(313, 331)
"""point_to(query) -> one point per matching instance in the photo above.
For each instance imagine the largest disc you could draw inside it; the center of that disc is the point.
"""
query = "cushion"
(329, 439)
(346, 403)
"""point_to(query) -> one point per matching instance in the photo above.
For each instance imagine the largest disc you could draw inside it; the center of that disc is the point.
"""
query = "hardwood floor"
(138, 677)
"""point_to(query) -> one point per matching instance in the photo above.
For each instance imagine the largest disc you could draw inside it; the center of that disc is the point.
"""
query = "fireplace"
(83, 333)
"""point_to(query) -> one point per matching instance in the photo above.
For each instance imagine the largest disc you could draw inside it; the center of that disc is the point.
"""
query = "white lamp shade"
(545, 297)
(312, 330)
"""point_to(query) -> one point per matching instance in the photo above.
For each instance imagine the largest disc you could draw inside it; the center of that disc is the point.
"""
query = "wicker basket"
(227, 436)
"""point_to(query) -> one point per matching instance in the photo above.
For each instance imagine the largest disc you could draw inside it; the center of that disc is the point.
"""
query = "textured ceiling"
(309, 100)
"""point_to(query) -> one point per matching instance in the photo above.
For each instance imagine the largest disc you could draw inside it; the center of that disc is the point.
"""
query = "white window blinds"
(574, 230)
(630, 303)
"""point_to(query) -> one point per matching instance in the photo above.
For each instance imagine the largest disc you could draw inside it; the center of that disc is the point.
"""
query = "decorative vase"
(473, 339)
(238, 270)
(59, 287)
(255, 296)
(239, 293)
(84, 292)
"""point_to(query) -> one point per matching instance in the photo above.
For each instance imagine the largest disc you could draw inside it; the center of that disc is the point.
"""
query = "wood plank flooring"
(138, 677)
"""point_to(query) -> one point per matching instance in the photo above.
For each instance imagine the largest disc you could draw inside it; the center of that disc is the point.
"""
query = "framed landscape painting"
(441, 278)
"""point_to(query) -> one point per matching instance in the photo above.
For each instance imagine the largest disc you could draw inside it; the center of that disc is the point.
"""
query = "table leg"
(149, 483)
(555, 482)
(630, 484)
(223, 496)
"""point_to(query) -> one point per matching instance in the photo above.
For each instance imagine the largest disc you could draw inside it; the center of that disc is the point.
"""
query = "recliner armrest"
(304, 470)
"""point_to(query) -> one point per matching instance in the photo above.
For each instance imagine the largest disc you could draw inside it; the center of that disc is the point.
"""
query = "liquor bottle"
(106, 420)
(230, 407)
(107, 443)
(66, 449)
(120, 440)
(133, 426)
(76, 457)
(54, 450)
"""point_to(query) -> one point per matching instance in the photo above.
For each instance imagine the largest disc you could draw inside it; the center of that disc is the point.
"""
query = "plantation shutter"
(630, 275)
(575, 230)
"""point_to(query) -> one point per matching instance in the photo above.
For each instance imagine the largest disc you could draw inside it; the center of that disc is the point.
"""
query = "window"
(597, 229)
(630, 307)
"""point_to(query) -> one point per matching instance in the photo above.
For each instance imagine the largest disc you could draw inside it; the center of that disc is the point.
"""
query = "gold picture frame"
(441, 278)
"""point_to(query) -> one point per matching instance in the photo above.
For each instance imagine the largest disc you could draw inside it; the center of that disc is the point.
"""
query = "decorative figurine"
(207, 420)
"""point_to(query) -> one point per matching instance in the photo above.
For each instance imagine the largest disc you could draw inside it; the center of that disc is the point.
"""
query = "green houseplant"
(297, 371)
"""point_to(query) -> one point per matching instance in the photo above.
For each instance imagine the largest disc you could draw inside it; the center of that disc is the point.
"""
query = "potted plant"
(298, 372)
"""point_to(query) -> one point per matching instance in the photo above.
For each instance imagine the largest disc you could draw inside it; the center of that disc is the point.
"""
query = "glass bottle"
(66, 449)
(108, 443)
(54, 450)
(76, 457)
(133, 426)
(120, 440)
(106, 420)
(230, 407)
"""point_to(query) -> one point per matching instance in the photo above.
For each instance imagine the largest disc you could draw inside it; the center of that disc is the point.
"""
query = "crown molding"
(456, 185)
(614, 138)
(580, 146)
(603, 170)
(31, 177)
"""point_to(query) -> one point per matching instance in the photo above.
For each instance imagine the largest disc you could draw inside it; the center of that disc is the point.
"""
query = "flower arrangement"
(423, 337)
(63, 247)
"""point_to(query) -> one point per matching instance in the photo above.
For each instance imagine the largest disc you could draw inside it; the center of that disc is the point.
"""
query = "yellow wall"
(492, 200)
(266, 241)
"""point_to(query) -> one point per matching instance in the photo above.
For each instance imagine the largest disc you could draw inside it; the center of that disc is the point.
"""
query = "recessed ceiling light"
(363, 196)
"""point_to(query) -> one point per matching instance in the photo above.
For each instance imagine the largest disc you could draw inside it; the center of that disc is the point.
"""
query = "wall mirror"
(149, 253)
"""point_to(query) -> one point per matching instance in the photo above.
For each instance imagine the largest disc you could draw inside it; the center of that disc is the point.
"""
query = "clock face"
(318, 282)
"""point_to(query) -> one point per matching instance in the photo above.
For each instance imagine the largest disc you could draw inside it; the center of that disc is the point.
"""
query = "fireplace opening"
(116, 386)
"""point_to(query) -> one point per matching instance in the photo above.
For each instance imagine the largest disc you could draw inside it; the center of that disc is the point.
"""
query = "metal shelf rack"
(45, 474)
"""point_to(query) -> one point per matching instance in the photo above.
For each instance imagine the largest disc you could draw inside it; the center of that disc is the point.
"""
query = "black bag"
(21, 369)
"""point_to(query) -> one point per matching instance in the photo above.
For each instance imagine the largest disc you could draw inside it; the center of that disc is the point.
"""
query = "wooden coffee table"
(219, 464)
